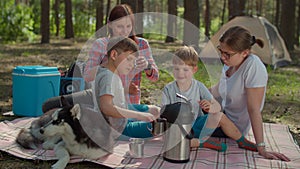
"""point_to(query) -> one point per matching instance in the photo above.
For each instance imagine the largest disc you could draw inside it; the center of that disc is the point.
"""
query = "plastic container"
(32, 86)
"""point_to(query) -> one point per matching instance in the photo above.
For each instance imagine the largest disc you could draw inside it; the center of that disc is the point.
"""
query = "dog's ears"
(76, 111)
(64, 101)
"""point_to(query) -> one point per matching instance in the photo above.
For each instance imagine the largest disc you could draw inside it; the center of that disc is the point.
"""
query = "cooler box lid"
(36, 70)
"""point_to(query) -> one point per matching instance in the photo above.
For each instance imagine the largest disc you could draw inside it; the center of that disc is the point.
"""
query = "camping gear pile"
(34, 84)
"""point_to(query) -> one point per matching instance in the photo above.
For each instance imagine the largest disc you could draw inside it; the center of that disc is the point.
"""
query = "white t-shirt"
(195, 93)
(251, 74)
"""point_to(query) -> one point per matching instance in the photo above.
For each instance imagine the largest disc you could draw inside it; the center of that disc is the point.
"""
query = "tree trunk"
(250, 8)
(139, 17)
(137, 6)
(236, 8)
(56, 16)
(298, 26)
(207, 18)
(171, 27)
(99, 14)
(242, 7)
(277, 13)
(259, 7)
(287, 23)
(223, 12)
(191, 16)
(69, 23)
(45, 22)
(107, 11)
(132, 3)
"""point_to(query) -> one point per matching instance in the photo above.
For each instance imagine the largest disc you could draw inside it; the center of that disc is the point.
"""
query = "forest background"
(53, 32)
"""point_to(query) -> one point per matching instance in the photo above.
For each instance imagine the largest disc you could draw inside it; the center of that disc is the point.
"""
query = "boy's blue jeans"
(138, 129)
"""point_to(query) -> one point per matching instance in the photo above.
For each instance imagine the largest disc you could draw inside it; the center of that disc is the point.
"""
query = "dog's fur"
(31, 138)
(65, 124)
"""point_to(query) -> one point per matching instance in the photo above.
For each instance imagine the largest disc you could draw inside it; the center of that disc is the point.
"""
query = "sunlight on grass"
(284, 83)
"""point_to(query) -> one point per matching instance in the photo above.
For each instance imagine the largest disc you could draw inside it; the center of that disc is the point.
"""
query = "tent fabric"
(274, 51)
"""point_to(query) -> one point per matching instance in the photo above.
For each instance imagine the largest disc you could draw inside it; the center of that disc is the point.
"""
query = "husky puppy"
(65, 123)
(31, 137)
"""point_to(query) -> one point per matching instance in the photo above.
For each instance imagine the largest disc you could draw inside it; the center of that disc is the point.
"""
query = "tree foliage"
(16, 23)
(21, 22)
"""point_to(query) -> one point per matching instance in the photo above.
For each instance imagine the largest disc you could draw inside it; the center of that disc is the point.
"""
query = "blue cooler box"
(32, 86)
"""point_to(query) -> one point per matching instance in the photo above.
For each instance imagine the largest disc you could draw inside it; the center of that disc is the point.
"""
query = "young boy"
(184, 66)
(109, 91)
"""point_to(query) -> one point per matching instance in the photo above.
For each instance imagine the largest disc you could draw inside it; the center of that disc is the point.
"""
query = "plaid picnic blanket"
(277, 136)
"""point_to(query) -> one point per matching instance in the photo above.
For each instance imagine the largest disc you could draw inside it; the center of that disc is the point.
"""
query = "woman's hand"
(154, 110)
(205, 105)
(272, 155)
(141, 63)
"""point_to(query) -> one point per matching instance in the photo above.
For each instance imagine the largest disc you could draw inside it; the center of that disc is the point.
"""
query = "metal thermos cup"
(136, 147)
(158, 127)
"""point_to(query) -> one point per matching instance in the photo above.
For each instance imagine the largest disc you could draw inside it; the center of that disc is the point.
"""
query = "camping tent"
(274, 51)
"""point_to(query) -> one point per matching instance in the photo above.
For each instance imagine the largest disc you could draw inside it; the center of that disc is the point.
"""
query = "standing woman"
(121, 23)
(242, 86)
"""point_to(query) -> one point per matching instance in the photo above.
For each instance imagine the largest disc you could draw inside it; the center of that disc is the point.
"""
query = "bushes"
(16, 23)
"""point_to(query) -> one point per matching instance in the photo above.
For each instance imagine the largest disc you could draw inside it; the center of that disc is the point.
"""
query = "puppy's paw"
(48, 145)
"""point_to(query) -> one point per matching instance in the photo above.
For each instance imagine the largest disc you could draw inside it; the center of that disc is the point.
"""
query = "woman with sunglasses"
(242, 86)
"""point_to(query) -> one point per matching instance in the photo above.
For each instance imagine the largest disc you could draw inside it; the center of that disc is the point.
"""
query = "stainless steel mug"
(158, 127)
(136, 147)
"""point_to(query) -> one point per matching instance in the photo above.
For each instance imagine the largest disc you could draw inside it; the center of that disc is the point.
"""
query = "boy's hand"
(205, 105)
(132, 89)
(146, 117)
(154, 110)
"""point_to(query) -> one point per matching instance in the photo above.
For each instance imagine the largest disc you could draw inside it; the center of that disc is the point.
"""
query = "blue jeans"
(198, 125)
(138, 129)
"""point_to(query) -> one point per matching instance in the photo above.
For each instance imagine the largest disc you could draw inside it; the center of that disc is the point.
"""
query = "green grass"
(285, 83)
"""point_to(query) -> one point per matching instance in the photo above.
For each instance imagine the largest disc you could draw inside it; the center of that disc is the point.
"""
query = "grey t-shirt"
(195, 93)
(102, 129)
(251, 74)
(106, 82)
